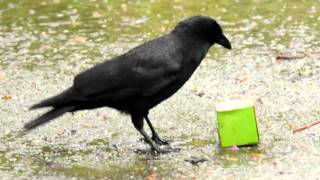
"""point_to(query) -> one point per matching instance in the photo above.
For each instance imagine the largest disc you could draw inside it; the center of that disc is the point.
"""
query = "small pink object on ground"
(234, 148)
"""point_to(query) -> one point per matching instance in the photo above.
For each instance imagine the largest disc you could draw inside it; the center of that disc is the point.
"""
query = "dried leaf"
(232, 159)
(256, 155)
(7, 97)
(288, 57)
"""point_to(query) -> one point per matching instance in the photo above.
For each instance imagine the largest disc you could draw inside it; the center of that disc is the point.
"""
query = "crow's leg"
(155, 136)
(137, 121)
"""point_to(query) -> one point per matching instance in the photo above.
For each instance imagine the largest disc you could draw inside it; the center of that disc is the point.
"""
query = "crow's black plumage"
(140, 79)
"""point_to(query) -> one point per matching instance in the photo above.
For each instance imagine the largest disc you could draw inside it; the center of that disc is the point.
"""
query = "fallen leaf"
(232, 159)
(7, 97)
(256, 155)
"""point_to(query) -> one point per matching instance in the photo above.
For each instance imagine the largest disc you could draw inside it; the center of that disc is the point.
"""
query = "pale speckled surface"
(39, 55)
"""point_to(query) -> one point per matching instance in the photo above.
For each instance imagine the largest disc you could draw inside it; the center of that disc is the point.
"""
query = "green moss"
(8, 160)
(98, 142)
(184, 136)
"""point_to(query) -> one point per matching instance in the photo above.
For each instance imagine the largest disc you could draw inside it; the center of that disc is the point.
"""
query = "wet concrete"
(44, 44)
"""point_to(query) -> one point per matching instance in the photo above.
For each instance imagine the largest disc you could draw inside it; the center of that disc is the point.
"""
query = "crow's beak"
(223, 41)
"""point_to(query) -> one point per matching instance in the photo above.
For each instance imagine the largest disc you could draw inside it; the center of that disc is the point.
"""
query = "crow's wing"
(143, 71)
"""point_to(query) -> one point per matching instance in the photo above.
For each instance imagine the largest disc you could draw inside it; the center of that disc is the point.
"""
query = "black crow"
(141, 78)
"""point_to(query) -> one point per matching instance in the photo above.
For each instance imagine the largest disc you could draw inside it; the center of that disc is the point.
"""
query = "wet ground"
(275, 60)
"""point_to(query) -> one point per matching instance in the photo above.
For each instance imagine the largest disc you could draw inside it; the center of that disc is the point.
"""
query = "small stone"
(73, 132)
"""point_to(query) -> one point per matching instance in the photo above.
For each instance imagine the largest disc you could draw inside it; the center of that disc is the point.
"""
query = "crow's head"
(205, 28)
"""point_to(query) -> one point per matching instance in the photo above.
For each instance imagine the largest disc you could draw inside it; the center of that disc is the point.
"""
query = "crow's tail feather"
(54, 113)
(59, 100)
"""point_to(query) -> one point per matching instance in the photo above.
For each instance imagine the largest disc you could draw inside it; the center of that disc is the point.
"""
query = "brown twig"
(289, 57)
(306, 127)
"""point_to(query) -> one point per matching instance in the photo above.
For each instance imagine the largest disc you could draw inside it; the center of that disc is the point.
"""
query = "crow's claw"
(159, 141)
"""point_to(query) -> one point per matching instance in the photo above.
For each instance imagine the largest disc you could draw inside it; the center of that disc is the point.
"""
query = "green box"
(237, 123)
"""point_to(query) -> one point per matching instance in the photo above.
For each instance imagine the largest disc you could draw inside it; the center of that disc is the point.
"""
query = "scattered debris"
(73, 132)
(7, 97)
(87, 125)
(234, 148)
(195, 160)
(232, 159)
(288, 58)
(305, 71)
(306, 127)
(61, 131)
(152, 176)
(242, 78)
(256, 155)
